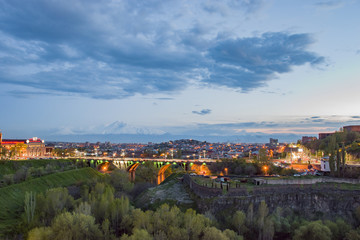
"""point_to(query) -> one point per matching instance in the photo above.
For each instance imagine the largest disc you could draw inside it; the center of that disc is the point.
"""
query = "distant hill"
(157, 138)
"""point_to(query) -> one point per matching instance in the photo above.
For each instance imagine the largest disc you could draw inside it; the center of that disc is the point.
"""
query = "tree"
(41, 233)
(30, 205)
(212, 233)
(139, 234)
(20, 149)
(313, 231)
(194, 223)
(262, 213)
(338, 161)
(55, 201)
(146, 172)
(238, 221)
(343, 159)
(84, 208)
(75, 226)
(119, 179)
(119, 208)
(143, 220)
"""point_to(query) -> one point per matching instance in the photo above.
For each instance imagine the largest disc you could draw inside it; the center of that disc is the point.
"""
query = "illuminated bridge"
(131, 164)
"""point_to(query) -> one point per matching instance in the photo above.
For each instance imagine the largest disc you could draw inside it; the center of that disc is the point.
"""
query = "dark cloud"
(202, 112)
(109, 50)
(165, 99)
(317, 120)
(249, 63)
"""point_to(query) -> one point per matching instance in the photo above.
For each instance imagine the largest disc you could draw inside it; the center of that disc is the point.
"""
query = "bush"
(8, 179)
(20, 175)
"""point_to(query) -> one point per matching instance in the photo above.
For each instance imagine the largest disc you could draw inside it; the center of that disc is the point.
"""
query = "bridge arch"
(160, 177)
(131, 169)
(200, 169)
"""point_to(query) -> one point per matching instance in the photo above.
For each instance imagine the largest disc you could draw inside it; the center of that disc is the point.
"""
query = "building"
(24, 148)
(353, 128)
(324, 135)
(306, 139)
(274, 142)
(35, 148)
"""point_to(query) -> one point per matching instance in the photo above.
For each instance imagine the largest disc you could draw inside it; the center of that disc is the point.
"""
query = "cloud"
(330, 4)
(202, 112)
(248, 63)
(116, 49)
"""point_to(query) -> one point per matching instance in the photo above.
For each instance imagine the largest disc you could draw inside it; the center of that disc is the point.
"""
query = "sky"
(232, 70)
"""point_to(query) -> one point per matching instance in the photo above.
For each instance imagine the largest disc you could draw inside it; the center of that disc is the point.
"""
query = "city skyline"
(232, 70)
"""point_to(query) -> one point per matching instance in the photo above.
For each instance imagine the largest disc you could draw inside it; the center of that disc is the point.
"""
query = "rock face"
(308, 200)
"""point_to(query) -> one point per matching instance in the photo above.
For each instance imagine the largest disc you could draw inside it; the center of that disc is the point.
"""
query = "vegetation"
(101, 208)
(340, 147)
(12, 198)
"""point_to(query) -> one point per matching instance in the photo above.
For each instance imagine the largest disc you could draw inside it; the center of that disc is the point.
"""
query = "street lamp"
(265, 170)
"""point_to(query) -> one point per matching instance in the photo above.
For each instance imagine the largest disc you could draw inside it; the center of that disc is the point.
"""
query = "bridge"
(131, 164)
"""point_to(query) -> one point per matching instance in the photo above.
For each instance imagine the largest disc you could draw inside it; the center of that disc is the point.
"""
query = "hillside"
(12, 197)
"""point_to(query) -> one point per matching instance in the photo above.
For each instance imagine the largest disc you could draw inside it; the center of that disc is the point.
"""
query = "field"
(12, 197)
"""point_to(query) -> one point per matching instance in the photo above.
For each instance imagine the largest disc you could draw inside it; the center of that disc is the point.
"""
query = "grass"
(171, 177)
(11, 166)
(12, 197)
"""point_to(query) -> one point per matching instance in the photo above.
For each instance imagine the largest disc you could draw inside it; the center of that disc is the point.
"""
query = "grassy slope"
(12, 197)
(9, 167)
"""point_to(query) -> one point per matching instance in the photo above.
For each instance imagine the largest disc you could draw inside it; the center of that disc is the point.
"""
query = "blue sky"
(182, 68)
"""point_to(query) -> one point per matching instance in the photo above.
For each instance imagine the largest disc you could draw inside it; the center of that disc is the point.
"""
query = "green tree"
(212, 233)
(40, 233)
(143, 220)
(338, 161)
(146, 172)
(313, 231)
(84, 208)
(139, 234)
(195, 223)
(119, 179)
(238, 221)
(55, 201)
(231, 235)
(263, 211)
(73, 226)
(30, 205)
(119, 208)
(264, 224)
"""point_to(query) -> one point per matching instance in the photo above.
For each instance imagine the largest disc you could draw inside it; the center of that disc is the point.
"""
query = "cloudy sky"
(181, 68)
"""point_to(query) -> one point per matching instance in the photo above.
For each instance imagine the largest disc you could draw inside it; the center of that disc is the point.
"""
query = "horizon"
(238, 70)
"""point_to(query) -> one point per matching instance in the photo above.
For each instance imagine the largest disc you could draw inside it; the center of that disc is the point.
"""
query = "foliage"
(119, 179)
(69, 226)
(313, 231)
(146, 173)
(12, 197)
